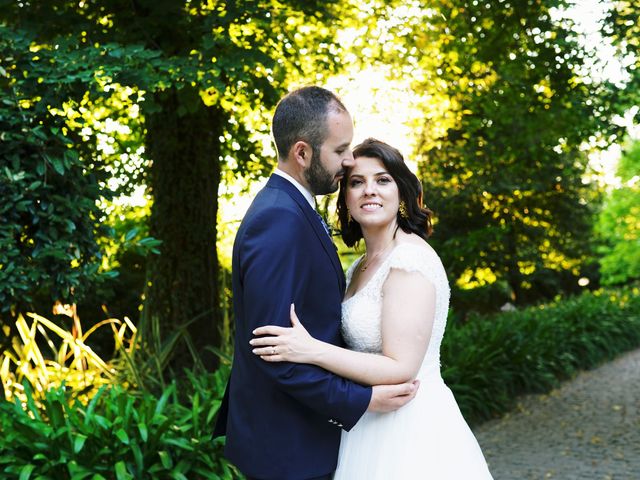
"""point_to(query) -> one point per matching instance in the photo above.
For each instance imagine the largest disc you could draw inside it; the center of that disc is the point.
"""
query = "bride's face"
(372, 194)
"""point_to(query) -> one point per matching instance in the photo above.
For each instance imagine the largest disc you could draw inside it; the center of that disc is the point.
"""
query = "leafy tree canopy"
(172, 94)
(618, 224)
(508, 109)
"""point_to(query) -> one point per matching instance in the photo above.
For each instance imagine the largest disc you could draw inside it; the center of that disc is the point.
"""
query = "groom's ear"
(302, 153)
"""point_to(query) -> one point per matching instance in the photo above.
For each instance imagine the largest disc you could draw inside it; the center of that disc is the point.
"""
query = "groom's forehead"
(339, 128)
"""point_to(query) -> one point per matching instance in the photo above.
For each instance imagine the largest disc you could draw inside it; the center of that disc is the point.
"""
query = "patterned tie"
(324, 224)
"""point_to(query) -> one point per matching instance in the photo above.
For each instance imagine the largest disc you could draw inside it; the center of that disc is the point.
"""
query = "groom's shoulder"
(273, 209)
(271, 201)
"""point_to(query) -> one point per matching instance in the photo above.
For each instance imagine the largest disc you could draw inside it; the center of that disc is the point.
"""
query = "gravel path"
(589, 428)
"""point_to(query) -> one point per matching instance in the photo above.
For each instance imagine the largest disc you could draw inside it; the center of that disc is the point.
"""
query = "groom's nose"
(347, 160)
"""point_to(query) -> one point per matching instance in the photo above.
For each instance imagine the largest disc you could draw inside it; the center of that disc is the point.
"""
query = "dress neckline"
(380, 268)
(368, 282)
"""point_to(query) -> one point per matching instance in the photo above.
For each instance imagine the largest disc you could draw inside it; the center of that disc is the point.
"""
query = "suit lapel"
(312, 217)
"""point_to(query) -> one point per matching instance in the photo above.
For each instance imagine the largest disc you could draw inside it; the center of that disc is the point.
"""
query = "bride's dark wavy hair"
(418, 219)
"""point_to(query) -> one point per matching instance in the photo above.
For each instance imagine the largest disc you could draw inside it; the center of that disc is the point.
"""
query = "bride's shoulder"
(412, 244)
(412, 250)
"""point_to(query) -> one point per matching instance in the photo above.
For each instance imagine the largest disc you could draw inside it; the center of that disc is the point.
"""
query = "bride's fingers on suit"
(272, 358)
(270, 330)
(269, 351)
(265, 341)
(292, 315)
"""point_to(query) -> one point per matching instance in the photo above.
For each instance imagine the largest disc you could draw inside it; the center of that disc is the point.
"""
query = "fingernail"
(250, 342)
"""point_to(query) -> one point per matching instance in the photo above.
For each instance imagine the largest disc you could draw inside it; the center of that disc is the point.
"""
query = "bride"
(393, 320)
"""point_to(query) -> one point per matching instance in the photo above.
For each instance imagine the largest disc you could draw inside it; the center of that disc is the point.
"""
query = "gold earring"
(404, 213)
(349, 219)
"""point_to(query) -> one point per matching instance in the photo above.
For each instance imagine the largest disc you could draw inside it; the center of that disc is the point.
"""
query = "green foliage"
(118, 435)
(505, 177)
(238, 55)
(618, 225)
(139, 357)
(490, 360)
(147, 364)
(49, 218)
(508, 106)
(69, 359)
(487, 298)
(622, 25)
(126, 253)
(192, 84)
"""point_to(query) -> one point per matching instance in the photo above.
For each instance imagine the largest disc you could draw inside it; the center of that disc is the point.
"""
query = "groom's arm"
(272, 257)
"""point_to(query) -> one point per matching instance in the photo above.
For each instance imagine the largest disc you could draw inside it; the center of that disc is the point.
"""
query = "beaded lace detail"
(361, 313)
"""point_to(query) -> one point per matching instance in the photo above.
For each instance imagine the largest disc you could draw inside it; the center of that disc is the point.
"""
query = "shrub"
(67, 414)
(117, 435)
(490, 360)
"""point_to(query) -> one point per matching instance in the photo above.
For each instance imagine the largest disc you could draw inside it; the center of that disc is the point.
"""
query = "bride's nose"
(370, 188)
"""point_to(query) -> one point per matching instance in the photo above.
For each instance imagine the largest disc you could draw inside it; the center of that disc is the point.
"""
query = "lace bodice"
(428, 437)
(361, 313)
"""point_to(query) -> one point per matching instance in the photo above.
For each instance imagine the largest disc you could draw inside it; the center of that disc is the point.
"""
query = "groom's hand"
(387, 398)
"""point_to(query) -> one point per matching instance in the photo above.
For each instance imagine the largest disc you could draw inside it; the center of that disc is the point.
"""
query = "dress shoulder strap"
(423, 259)
(352, 268)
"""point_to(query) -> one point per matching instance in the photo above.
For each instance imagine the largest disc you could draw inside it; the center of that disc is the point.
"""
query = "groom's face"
(329, 164)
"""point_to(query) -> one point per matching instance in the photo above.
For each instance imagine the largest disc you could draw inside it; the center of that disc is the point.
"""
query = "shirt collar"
(306, 193)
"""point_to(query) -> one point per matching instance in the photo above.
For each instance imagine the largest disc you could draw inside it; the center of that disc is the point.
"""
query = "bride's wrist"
(319, 352)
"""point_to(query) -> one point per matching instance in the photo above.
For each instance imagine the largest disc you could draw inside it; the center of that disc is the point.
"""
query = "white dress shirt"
(306, 193)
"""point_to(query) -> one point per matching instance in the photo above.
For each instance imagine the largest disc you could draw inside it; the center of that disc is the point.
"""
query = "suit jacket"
(283, 420)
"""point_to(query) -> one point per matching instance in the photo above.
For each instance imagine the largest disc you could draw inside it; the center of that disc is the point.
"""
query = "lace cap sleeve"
(418, 258)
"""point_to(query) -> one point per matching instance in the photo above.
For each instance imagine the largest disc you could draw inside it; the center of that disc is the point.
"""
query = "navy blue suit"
(283, 420)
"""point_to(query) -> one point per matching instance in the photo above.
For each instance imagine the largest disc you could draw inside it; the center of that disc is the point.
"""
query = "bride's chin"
(375, 224)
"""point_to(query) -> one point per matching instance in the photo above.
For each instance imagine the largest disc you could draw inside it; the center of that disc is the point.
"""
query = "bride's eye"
(354, 182)
(384, 180)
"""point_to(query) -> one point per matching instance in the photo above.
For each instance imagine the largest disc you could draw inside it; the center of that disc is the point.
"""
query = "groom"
(283, 420)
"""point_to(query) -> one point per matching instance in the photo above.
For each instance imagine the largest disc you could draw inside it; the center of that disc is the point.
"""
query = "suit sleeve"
(276, 268)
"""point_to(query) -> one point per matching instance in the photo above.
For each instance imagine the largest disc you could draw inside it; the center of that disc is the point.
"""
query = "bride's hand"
(282, 344)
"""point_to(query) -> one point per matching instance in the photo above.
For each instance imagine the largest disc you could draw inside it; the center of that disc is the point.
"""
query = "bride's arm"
(408, 309)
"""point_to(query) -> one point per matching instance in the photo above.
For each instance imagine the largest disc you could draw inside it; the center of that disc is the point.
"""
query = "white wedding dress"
(428, 438)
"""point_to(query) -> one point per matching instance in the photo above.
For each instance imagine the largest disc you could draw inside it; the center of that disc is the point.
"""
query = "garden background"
(134, 133)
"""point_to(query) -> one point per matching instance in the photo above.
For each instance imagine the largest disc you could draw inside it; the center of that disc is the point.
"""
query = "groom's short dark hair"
(302, 116)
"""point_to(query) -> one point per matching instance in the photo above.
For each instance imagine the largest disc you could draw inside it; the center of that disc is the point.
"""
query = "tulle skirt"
(426, 439)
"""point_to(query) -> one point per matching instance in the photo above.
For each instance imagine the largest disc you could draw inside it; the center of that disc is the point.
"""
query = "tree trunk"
(514, 277)
(183, 142)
